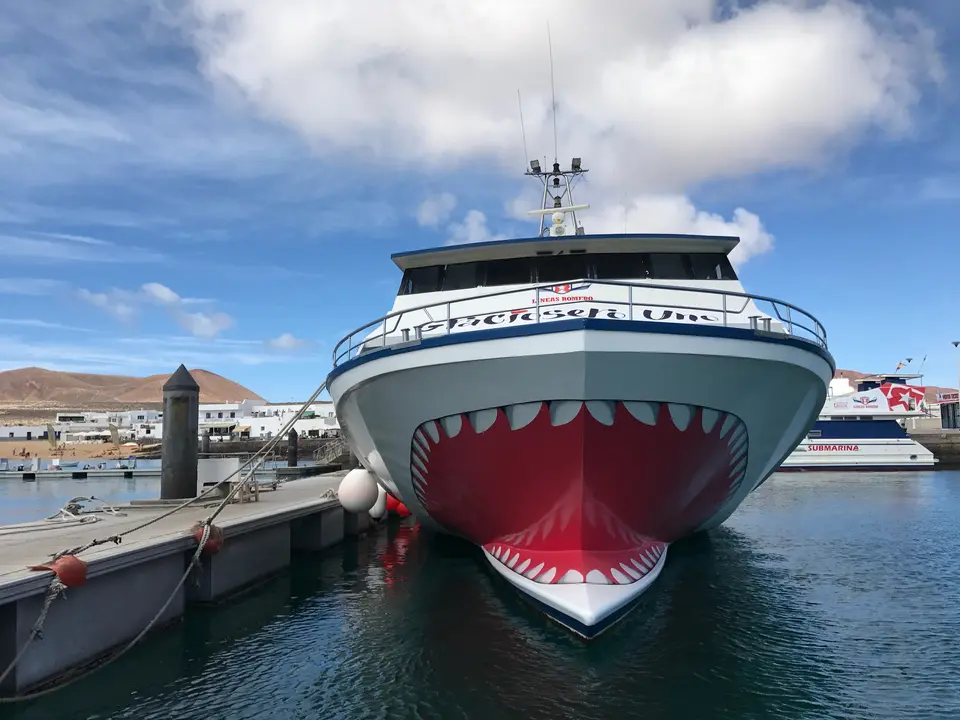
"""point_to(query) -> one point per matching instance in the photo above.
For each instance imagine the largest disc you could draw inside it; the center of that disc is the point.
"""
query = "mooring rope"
(56, 588)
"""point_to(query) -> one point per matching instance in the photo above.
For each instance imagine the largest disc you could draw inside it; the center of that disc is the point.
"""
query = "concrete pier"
(945, 446)
(128, 583)
(181, 423)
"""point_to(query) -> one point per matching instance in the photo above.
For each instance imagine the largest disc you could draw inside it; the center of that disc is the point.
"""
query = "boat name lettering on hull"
(834, 448)
(527, 316)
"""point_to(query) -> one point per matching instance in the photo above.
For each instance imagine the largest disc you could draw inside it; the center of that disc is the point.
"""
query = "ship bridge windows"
(565, 267)
(515, 271)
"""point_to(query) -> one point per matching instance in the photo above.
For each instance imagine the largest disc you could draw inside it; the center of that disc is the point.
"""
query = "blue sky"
(222, 182)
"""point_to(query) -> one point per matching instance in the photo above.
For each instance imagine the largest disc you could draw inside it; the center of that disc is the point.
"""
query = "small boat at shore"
(866, 429)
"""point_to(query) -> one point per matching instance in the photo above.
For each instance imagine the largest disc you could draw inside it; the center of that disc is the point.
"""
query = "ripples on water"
(825, 596)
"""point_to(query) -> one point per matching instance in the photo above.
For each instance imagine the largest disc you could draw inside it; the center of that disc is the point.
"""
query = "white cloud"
(42, 324)
(116, 303)
(138, 356)
(59, 248)
(676, 214)
(161, 293)
(125, 305)
(436, 210)
(472, 229)
(286, 341)
(660, 95)
(204, 325)
(30, 286)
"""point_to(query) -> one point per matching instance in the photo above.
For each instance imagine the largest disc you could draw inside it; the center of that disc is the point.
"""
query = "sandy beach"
(42, 449)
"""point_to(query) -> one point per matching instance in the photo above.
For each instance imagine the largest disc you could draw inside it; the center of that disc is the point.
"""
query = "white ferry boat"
(864, 429)
(574, 403)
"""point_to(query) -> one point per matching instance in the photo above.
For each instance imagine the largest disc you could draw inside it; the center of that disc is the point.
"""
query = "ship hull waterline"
(573, 458)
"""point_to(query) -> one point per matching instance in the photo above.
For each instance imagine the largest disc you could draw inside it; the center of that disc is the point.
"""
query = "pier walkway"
(126, 584)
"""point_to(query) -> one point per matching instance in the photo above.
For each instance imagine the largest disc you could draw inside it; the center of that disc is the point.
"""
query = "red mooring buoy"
(71, 570)
(392, 503)
(214, 542)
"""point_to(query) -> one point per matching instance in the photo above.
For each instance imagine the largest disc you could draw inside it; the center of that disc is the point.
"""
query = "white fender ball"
(379, 509)
(358, 491)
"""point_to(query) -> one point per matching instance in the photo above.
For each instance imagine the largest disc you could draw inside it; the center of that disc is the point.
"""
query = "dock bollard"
(181, 420)
(292, 453)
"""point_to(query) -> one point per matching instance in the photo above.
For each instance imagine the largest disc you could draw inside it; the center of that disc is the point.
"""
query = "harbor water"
(827, 595)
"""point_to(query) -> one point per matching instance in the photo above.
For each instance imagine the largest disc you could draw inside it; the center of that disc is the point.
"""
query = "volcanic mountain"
(50, 388)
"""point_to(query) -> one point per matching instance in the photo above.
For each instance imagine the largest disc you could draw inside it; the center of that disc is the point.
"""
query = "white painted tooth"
(647, 562)
(416, 462)
(513, 560)
(451, 425)
(430, 427)
(645, 412)
(419, 451)
(619, 577)
(737, 455)
(630, 571)
(709, 418)
(496, 552)
(482, 420)
(416, 472)
(506, 555)
(653, 558)
(641, 567)
(522, 414)
(421, 440)
(533, 572)
(728, 424)
(571, 577)
(595, 577)
(523, 566)
(602, 410)
(681, 415)
(563, 411)
(548, 576)
(739, 432)
(739, 466)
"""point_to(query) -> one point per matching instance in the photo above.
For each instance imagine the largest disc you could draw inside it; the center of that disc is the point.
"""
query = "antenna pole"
(553, 91)
(523, 130)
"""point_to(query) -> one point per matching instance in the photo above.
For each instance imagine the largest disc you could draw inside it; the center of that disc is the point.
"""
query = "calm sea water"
(825, 596)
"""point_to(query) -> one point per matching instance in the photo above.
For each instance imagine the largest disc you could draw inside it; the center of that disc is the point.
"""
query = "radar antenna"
(557, 186)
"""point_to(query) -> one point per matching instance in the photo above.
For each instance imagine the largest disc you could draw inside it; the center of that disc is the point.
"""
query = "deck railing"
(727, 309)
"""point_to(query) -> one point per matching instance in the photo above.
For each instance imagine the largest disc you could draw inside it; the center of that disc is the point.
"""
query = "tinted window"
(557, 268)
(517, 271)
(711, 266)
(421, 280)
(621, 266)
(560, 268)
(462, 277)
(670, 266)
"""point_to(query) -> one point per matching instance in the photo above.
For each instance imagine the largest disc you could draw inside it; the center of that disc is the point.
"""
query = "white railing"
(724, 308)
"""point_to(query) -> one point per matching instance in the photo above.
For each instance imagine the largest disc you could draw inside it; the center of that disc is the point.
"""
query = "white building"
(222, 420)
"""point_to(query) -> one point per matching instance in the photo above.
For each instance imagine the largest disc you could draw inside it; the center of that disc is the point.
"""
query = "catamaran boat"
(574, 403)
(865, 429)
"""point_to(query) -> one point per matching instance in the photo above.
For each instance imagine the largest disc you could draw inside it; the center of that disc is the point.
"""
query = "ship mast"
(557, 188)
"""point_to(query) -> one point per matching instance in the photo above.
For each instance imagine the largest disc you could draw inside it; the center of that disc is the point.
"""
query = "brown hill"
(36, 386)
(854, 375)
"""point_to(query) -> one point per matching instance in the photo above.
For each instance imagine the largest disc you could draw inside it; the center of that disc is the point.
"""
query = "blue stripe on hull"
(598, 324)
